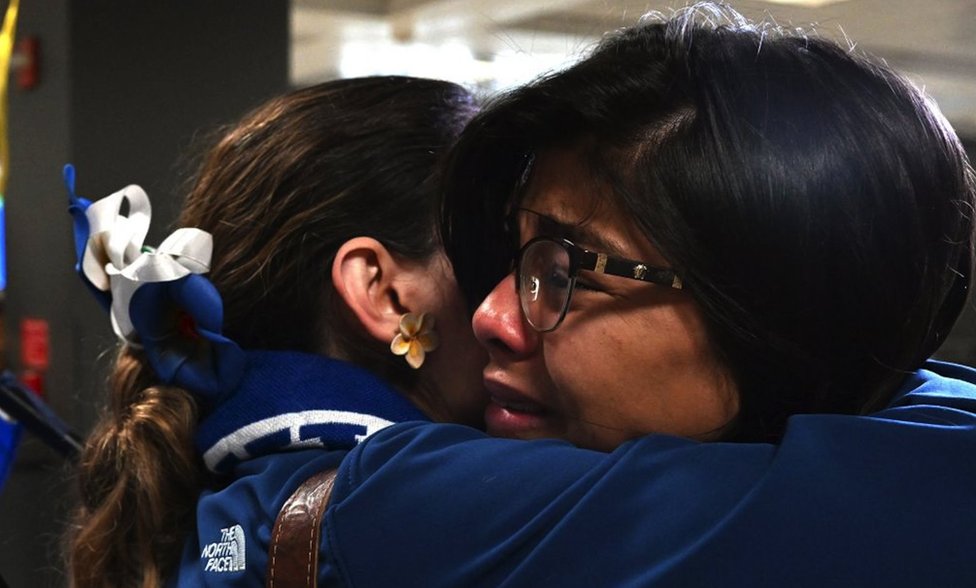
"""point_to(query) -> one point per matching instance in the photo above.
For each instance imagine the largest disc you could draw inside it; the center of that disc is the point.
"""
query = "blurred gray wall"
(124, 88)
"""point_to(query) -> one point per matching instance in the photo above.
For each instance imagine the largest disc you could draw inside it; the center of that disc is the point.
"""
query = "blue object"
(178, 322)
(27, 409)
(291, 400)
(3, 244)
(294, 401)
(194, 356)
(882, 500)
(9, 439)
(76, 208)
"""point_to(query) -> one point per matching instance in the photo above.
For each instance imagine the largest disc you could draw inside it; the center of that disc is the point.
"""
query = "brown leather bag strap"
(293, 556)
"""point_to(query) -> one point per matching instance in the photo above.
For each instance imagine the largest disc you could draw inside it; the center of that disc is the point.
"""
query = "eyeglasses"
(547, 270)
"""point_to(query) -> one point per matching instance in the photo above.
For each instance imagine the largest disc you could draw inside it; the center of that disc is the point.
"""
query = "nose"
(499, 325)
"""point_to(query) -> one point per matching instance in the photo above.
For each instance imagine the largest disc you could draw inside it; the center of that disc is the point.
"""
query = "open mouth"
(515, 406)
(511, 414)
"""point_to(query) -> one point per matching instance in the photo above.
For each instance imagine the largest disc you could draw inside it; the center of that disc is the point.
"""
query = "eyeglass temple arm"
(627, 268)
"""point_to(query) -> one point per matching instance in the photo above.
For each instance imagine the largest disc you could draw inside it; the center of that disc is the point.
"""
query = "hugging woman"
(308, 248)
(723, 253)
(709, 263)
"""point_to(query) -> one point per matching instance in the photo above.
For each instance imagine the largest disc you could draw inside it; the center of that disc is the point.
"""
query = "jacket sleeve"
(445, 505)
(843, 500)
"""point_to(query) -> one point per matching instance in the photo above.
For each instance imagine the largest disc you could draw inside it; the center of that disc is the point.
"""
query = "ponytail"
(139, 478)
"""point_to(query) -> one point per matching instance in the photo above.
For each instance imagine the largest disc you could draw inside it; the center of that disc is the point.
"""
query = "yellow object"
(6, 50)
(415, 339)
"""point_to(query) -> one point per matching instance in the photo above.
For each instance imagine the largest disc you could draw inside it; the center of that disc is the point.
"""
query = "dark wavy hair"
(816, 204)
(280, 192)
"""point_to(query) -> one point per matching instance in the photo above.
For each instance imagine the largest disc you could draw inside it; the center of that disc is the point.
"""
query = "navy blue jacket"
(881, 500)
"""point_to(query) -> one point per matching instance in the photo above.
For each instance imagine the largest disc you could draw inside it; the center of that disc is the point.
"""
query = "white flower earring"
(416, 337)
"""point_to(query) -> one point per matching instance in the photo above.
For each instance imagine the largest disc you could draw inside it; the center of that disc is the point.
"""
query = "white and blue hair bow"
(157, 298)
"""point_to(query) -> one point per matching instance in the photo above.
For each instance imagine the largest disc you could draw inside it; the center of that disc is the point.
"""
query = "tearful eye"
(557, 278)
(545, 282)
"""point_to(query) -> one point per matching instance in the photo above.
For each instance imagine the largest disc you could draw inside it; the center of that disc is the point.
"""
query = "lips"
(518, 406)
(512, 413)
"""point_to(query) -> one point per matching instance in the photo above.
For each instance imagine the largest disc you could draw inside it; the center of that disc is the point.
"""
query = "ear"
(366, 277)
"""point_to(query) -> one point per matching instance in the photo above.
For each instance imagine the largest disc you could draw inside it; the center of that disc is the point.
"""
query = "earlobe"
(364, 277)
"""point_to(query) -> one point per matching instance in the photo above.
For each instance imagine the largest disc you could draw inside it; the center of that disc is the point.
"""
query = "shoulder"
(448, 502)
(421, 460)
(948, 385)
(450, 491)
(453, 448)
(234, 521)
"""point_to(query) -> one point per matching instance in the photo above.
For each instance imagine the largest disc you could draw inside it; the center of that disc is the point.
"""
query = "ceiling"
(494, 44)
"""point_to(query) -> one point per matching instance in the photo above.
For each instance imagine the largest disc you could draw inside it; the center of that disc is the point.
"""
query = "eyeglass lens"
(544, 283)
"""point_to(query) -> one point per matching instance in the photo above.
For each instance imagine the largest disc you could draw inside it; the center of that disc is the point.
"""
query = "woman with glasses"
(577, 281)
(715, 257)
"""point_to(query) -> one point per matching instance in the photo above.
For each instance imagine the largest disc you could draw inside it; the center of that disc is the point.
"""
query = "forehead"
(562, 182)
(563, 187)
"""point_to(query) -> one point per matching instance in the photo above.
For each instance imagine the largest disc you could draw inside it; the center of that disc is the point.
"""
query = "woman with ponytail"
(309, 253)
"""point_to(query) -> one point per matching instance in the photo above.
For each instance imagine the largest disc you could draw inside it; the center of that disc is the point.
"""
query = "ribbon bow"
(157, 297)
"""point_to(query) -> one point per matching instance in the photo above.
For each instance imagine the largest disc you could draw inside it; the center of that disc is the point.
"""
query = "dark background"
(125, 88)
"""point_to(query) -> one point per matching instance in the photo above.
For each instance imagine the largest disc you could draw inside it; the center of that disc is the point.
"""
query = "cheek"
(695, 395)
(676, 338)
(471, 358)
(639, 371)
(455, 370)
(460, 370)
(584, 362)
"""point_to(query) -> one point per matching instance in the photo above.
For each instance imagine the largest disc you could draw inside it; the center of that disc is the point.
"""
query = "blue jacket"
(887, 499)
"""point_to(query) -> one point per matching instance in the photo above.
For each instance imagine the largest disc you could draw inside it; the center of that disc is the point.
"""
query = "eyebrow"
(580, 234)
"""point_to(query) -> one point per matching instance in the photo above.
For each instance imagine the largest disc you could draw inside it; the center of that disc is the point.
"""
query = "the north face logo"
(226, 555)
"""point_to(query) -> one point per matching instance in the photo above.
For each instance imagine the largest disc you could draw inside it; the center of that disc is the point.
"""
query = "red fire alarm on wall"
(35, 344)
(26, 62)
(35, 352)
